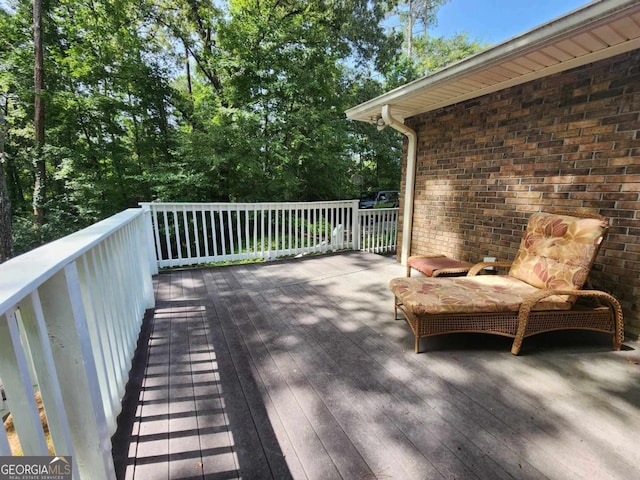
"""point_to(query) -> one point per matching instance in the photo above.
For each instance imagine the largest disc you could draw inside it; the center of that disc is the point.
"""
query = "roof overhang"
(599, 30)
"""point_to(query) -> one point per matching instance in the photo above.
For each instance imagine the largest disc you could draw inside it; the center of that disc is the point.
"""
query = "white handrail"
(70, 314)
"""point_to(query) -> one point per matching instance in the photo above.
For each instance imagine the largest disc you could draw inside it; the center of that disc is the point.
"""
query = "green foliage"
(434, 53)
(178, 100)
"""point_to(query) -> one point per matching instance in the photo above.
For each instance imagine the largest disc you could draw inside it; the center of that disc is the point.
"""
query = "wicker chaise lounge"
(542, 291)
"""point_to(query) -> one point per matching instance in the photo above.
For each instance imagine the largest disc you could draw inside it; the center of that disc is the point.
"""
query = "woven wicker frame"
(605, 317)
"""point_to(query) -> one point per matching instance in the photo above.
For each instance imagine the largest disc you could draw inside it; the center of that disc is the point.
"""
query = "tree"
(417, 13)
(435, 53)
(6, 240)
(108, 122)
(265, 119)
(258, 114)
(39, 189)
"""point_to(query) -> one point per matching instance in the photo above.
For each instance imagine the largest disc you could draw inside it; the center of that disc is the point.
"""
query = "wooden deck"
(296, 369)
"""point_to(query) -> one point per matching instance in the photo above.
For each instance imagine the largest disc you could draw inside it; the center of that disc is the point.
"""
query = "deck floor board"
(297, 369)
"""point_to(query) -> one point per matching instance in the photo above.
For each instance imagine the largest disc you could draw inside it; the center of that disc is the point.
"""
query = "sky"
(494, 21)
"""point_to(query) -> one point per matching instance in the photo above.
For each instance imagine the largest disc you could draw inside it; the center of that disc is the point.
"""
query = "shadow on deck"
(296, 369)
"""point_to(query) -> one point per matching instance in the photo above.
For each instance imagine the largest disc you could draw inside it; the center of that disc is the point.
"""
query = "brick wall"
(569, 141)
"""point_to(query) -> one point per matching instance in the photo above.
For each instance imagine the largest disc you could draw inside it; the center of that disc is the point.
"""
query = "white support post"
(355, 228)
(146, 269)
(150, 242)
(64, 311)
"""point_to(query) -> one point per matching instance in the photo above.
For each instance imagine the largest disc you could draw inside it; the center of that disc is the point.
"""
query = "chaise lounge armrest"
(528, 306)
(478, 267)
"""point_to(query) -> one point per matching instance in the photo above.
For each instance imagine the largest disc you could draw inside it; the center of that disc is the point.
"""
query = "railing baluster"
(214, 236)
(125, 289)
(384, 240)
(205, 236)
(67, 323)
(187, 234)
(376, 231)
(102, 348)
(324, 238)
(14, 371)
(247, 234)
(269, 225)
(289, 226)
(296, 228)
(262, 228)
(276, 232)
(105, 312)
(255, 233)
(304, 224)
(315, 230)
(167, 234)
(283, 234)
(112, 311)
(177, 237)
(5, 448)
(223, 234)
(379, 237)
(155, 225)
(232, 243)
(36, 332)
(333, 229)
(196, 232)
(238, 232)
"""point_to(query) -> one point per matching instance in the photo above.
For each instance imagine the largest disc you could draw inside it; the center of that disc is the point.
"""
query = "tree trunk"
(38, 119)
(188, 69)
(6, 240)
(410, 21)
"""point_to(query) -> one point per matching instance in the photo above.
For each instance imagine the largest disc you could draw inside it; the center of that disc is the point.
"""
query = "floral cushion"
(477, 294)
(557, 251)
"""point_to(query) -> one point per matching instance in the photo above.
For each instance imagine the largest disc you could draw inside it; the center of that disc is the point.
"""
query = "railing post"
(150, 242)
(355, 227)
(143, 228)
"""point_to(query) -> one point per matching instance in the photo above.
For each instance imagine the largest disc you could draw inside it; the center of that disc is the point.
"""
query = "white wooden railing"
(378, 230)
(70, 315)
(200, 233)
(71, 311)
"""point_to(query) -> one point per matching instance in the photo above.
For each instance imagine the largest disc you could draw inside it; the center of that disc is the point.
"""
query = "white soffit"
(599, 30)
